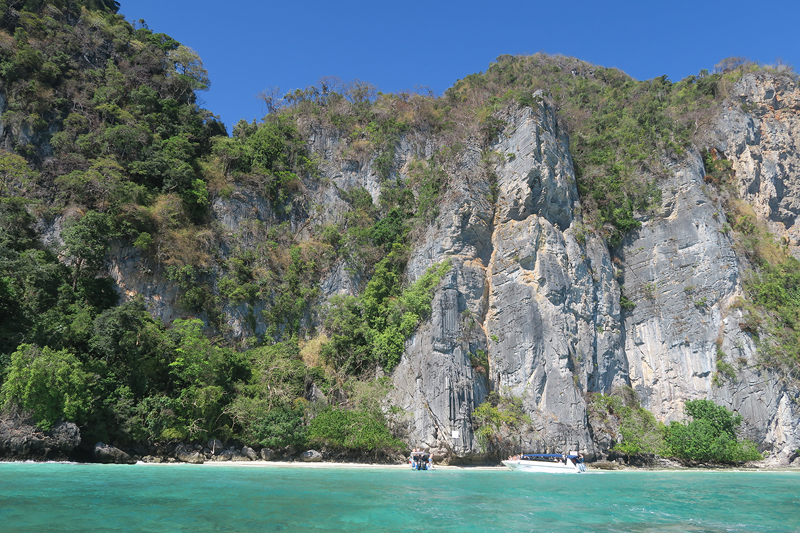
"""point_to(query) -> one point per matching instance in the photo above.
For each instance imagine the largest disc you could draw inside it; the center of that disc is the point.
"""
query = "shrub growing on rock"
(710, 436)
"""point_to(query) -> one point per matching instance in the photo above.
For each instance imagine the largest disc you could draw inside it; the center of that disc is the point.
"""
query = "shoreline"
(325, 465)
(379, 466)
(487, 468)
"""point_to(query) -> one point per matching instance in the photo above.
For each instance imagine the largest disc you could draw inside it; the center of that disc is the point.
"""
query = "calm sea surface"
(69, 497)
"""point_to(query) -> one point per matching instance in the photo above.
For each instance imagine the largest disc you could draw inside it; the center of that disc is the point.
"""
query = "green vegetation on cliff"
(498, 421)
(622, 131)
(104, 147)
(371, 330)
(774, 314)
(639, 431)
(771, 304)
(709, 437)
(105, 141)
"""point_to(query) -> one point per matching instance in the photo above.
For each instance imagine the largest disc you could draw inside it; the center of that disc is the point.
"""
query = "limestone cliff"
(540, 295)
(683, 273)
(544, 306)
(552, 303)
(759, 132)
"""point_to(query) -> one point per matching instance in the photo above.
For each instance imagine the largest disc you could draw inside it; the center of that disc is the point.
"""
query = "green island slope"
(103, 134)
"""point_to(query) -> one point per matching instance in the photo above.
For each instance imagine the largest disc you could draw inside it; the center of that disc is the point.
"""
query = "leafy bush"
(132, 346)
(389, 230)
(281, 427)
(51, 384)
(16, 176)
(430, 179)
(352, 429)
(710, 436)
(625, 304)
(268, 408)
(289, 299)
(158, 419)
(480, 361)
(86, 243)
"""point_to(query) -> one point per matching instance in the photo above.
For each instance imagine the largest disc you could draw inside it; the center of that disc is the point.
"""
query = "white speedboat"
(547, 462)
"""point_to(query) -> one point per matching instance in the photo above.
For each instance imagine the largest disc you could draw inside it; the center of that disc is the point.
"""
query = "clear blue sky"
(247, 46)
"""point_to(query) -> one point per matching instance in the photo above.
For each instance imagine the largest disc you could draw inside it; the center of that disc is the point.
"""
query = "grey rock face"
(544, 307)
(340, 281)
(435, 382)
(682, 273)
(547, 307)
(543, 316)
(538, 178)
(250, 453)
(66, 436)
(553, 316)
(266, 454)
(186, 454)
(133, 275)
(225, 455)
(238, 456)
(311, 456)
(760, 134)
(20, 439)
(107, 454)
(215, 446)
(241, 208)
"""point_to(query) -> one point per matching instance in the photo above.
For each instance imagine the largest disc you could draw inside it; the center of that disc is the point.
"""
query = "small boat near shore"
(548, 462)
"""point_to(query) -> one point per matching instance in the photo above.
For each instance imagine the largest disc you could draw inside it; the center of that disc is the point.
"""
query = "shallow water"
(73, 497)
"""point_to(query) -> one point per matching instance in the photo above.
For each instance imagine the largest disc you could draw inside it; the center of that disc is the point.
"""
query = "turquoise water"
(70, 497)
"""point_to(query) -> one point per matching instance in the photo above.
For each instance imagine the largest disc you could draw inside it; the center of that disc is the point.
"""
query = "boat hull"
(551, 467)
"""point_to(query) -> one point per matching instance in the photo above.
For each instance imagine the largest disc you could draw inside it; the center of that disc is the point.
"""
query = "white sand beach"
(300, 464)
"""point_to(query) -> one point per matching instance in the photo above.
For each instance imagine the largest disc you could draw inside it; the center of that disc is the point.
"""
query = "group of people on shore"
(420, 458)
